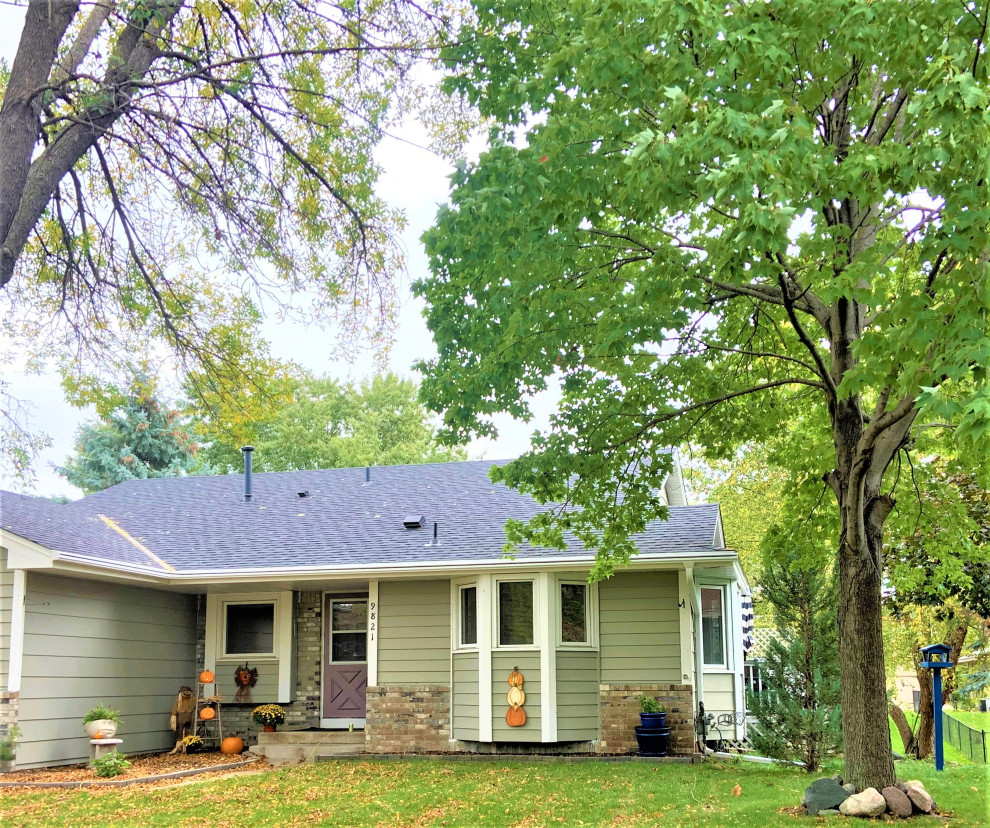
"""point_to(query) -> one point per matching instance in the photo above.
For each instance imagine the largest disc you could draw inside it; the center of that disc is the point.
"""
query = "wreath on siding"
(245, 678)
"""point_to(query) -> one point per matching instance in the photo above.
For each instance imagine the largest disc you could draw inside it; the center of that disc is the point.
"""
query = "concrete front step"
(312, 737)
(290, 747)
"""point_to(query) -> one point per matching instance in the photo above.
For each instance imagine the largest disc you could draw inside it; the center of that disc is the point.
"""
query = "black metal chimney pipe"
(247, 472)
(367, 475)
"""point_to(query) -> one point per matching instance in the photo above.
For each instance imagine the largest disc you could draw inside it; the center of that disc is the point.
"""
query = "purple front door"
(345, 659)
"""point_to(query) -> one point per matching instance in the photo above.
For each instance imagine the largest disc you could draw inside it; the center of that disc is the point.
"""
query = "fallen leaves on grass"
(150, 765)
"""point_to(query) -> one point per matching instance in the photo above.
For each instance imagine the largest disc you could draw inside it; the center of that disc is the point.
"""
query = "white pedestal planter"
(106, 727)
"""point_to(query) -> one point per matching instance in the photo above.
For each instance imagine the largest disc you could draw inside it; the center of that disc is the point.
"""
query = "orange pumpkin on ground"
(207, 713)
(206, 677)
(232, 745)
(515, 717)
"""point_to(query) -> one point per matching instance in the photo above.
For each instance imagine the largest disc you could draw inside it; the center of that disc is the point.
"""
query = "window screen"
(713, 626)
(250, 629)
(515, 613)
(469, 615)
(573, 613)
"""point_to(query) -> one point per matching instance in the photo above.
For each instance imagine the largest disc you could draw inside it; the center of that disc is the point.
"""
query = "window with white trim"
(713, 626)
(468, 616)
(249, 628)
(515, 613)
(574, 612)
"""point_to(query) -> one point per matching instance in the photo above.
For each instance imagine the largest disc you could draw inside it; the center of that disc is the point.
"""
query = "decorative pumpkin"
(207, 713)
(232, 745)
(206, 677)
(515, 717)
(515, 678)
(516, 697)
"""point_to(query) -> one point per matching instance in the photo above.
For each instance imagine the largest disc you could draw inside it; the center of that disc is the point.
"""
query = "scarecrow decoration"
(181, 720)
(245, 678)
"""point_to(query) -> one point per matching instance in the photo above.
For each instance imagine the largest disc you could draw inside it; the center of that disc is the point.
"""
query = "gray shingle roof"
(203, 523)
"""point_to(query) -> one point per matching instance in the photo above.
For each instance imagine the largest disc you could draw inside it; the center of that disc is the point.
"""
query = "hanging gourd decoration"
(515, 716)
(206, 677)
(207, 713)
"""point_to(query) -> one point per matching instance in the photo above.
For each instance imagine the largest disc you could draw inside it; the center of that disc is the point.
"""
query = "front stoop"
(291, 747)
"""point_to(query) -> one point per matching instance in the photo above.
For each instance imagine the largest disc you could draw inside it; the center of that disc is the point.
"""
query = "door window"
(349, 631)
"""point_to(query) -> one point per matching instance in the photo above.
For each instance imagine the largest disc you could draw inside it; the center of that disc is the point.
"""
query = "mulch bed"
(153, 764)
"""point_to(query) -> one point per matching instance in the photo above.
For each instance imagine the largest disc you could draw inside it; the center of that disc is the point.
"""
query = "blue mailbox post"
(936, 659)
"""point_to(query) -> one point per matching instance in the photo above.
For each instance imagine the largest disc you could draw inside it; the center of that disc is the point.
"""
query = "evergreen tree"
(798, 708)
(140, 437)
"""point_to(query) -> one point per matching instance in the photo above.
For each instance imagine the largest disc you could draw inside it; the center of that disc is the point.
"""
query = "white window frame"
(590, 614)
(273, 653)
(215, 642)
(457, 588)
(725, 666)
(537, 609)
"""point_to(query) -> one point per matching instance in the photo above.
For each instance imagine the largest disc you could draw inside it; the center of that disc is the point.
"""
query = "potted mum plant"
(269, 716)
(101, 722)
(652, 713)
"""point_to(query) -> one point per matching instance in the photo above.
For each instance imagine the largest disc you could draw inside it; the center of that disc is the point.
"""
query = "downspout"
(699, 654)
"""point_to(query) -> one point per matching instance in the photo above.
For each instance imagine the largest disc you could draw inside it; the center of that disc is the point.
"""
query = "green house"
(375, 601)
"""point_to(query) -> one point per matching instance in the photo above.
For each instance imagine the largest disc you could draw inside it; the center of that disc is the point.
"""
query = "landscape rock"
(869, 803)
(823, 795)
(849, 788)
(919, 796)
(897, 802)
(830, 812)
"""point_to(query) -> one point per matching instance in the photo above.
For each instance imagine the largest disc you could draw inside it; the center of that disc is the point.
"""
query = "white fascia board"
(26, 554)
(740, 574)
(76, 564)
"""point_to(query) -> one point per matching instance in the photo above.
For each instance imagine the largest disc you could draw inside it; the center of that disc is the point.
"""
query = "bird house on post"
(936, 659)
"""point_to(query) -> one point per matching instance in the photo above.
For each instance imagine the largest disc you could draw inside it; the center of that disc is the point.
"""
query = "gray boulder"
(823, 795)
(849, 788)
(869, 803)
(897, 802)
(919, 797)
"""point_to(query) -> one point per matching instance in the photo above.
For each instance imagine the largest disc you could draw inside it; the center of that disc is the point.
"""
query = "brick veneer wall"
(412, 718)
(619, 705)
(305, 710)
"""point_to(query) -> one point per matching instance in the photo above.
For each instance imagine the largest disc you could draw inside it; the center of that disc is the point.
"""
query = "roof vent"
(304, 494)
(414, 522)
(367, 475)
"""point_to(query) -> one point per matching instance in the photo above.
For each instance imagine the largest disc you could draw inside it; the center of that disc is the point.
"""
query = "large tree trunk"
(865, 732)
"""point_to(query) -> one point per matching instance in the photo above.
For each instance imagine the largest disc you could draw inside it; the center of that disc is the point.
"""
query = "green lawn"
(979, 721)
(446, 793)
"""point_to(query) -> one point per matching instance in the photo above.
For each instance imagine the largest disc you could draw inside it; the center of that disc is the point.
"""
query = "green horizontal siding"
(639, 633)
(264, 692)
(465, 696)
(528, 664)
(6, 601)
(577, 696)
(413, 632)
(88, 642)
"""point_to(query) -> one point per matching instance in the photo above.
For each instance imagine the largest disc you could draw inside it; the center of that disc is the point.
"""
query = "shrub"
(192, 744)
(113, 764)
(8, 744)
(101, 711)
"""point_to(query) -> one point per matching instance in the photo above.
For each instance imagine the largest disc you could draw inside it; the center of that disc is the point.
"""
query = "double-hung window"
(515, 613)
(713, 626)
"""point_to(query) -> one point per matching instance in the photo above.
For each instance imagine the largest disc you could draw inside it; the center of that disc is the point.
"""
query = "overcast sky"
(414, 181)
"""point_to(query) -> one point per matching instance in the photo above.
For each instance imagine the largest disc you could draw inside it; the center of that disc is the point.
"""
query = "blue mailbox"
(936, 659)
